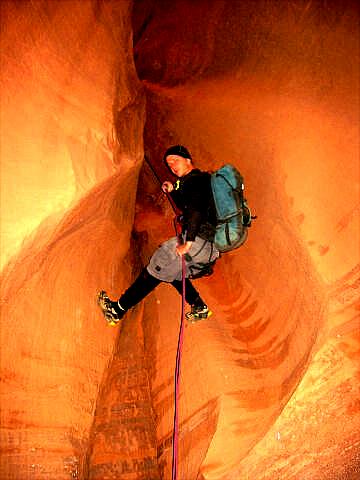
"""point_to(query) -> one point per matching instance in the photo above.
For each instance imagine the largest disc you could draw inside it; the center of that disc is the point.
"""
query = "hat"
(177, 150)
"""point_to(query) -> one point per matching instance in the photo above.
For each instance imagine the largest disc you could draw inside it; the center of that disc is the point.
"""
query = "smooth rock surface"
(68, 84)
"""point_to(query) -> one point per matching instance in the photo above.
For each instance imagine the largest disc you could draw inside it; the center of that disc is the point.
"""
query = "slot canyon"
(269, 384)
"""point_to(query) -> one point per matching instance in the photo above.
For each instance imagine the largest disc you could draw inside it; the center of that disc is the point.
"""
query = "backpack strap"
(240, 190)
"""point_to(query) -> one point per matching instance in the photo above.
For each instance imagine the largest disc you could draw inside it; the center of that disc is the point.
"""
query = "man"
(192, 195)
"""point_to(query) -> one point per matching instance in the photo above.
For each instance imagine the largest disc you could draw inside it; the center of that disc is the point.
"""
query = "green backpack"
(232, 211)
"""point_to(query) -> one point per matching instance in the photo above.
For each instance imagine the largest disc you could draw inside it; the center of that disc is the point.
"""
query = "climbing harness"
(199, 269)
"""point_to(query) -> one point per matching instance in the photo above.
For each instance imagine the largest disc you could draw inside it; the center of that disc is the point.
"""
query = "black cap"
(177, 150)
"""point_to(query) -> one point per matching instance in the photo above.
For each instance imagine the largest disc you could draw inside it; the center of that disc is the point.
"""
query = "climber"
(192, 195)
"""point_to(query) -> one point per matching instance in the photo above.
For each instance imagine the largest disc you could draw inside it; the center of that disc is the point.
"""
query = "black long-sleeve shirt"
(193, 196)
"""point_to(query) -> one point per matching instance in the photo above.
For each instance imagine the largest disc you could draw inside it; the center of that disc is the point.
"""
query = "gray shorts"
(166, 265)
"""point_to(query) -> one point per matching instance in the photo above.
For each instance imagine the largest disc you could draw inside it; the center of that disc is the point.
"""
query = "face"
(178, 165)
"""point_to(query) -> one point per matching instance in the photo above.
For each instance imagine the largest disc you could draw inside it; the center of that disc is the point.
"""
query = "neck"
(191, 167)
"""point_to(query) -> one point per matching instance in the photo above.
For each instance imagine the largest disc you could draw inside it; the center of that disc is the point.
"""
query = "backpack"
(233, 214)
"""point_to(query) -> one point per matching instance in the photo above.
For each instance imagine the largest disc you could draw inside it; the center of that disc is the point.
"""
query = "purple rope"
(175, 442)
(177, 379)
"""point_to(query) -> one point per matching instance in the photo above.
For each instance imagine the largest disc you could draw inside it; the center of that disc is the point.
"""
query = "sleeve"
(196, 207)
(176, 197)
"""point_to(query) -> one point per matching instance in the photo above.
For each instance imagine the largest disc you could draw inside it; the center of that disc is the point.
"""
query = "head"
(179, 160)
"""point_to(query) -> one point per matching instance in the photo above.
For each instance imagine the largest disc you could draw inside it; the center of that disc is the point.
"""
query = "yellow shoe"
(110, 309)
(198, 313)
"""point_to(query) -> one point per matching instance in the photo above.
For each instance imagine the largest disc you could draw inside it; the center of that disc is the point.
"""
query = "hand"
(167, 187)
(183, 248)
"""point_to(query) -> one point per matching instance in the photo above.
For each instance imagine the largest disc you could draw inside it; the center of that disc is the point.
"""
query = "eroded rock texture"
(68, 83)
(269, 384)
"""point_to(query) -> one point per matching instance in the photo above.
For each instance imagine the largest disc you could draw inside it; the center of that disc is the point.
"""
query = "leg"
(142, 286)
(192, 296)
(164, 266)
(115, 310)
(199, 309)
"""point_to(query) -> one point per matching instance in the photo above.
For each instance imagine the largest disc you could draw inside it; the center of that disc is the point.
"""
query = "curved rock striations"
(275, 97)
(55, 348)
(62, 65)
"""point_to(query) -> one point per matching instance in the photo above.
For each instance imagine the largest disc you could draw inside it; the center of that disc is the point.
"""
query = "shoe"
(198, 312)
(111, 310)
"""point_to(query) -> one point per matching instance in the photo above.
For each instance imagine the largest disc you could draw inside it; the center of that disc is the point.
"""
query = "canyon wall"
(276, 93)
(72, 117)
(269, 384)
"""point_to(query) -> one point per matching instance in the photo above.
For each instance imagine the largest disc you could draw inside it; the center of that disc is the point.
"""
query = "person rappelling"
(192, 195)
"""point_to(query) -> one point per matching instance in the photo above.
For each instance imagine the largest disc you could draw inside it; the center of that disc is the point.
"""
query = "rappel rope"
(159, 180)
(176, 429)
(175, 442)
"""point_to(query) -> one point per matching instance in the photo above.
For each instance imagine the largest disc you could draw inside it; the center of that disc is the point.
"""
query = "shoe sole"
(101, 300)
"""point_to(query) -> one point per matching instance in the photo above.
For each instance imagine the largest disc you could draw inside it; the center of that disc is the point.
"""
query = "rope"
(175, 439)
(159, 180)
(175, 442)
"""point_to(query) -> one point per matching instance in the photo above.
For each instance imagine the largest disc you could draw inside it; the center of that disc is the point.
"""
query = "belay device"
(233, 214)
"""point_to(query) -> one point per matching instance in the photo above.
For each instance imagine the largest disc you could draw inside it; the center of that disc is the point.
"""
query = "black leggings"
(146, 283)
